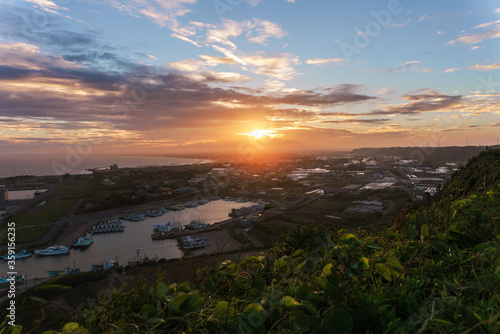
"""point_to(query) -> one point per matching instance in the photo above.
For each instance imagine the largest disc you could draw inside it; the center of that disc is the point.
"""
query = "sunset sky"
(226, 76)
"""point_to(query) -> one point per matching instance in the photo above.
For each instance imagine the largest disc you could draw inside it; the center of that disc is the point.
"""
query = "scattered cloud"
(404, 66)
(452, 69)
(397, 25)
(424, 18)
(48, 6)
(359, 121)
(477, 38)
(319, 61)
(279, 66)
(274, 85)
(489, 67)
(259, 31)
(427, 101)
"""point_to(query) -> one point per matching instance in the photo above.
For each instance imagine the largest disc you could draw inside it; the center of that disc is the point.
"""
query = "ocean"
(42, 165)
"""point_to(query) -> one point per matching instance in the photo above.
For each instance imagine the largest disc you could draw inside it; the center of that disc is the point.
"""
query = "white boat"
(8, 279)
(53, 250)
(21, 255)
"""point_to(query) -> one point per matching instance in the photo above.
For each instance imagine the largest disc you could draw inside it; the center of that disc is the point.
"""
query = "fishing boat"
(136, 217)
(68, 271)
(162, 235)
(53, 250)
(195, 225)
(193, 242)
(104, 266)
(21, 255)
(191, 204)
(83, 242)
(8, 279)
(177, 207)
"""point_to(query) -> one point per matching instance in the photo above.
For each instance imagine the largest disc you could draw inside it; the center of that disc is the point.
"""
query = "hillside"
(480, 174)
(435, 270)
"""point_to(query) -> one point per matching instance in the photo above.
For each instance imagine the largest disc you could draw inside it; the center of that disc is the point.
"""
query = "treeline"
(448, 153)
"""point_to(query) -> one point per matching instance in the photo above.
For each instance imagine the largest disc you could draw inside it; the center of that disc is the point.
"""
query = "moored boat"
(83, 242)
(21, 255)
(196, 242)
(195, 224)
(162, 235)
(53, 250)
(104, 266)
(8, 279)
(68, 271)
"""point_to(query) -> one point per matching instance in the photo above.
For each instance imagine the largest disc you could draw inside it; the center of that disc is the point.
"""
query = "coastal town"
(351, 191)
(179, 219)
(353, 185)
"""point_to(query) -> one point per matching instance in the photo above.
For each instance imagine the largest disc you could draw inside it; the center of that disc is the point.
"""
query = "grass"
(31, 227)
(35, 221)
(242, 239)
(268, 232)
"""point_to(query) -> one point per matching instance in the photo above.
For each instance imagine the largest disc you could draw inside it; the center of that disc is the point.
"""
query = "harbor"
(135, 241)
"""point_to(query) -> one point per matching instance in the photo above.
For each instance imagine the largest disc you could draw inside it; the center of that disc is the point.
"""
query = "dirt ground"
(217, 241)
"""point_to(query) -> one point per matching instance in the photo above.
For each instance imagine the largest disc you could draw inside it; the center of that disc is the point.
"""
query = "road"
(23, 286)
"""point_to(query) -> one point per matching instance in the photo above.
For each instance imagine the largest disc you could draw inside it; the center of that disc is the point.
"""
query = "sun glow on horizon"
(259, 133)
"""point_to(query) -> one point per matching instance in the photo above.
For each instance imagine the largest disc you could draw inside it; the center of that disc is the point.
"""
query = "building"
(219, 172)
(4, 195)
(350, 188)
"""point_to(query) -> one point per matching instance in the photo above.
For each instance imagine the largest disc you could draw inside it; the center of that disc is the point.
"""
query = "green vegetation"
(435, 270)
(478, 175)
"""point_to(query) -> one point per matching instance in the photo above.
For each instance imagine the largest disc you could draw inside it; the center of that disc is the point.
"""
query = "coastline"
(57, 165)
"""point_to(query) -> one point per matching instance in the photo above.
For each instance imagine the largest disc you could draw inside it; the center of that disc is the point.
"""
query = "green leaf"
(172, 306)
(347, 237)
(181, 298)
(148, 311)
(70, 327)
(394, 262)
(310, 307)
(53, 287)
(366, 263)
(328, 284)
(314, 298)
(161, 290)
(302, 291)
(338, 321)
(253, 319)
(289, 302)
(384, 271)
(327, 270)
(192, 304)
(425, 232)
(16, 329)
(221, 310)
(444, 322)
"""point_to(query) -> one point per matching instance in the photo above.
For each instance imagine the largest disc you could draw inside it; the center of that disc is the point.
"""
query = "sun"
(260, 133)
